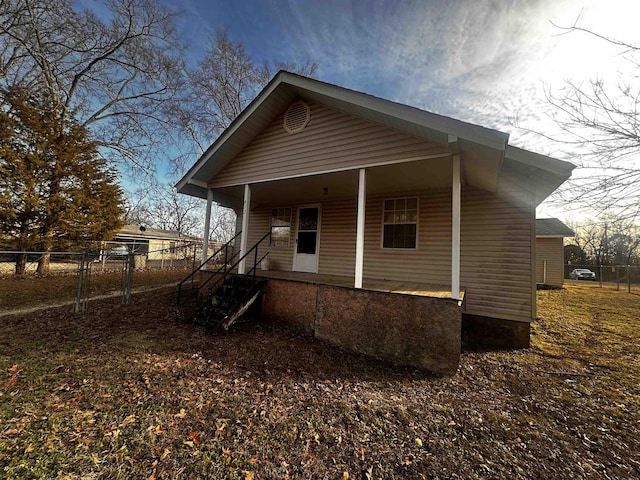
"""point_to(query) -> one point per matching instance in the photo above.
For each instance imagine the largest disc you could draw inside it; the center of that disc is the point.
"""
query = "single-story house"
(390, 230)
(143, 240)
(550, 235)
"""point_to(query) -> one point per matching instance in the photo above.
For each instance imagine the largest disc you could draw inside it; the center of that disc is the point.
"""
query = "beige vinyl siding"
(496, 247)
(551, 251)
(496, 250)
(430, 262)
(338, 238)
(331, 141)
(280, 258)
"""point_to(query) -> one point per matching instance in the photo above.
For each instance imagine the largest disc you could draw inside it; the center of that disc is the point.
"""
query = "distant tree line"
(610, 241)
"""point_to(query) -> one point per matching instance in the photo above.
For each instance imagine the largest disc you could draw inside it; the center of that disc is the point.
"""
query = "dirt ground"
(124, 392)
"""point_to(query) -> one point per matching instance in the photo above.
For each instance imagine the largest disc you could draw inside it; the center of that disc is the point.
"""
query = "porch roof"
(482, 150)
(552, 228)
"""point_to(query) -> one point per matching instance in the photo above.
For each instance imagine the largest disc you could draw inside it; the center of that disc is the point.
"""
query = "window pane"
(308, 219)
(400, 218)
(307, 242)
(280, 227)
(399, 236)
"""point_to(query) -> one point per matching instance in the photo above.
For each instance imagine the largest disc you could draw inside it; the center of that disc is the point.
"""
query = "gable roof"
(133, 231)
(482, 149)
(552, 228)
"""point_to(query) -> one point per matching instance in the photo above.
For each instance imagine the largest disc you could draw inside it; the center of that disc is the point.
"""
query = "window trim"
(417, 224)
(288, 245)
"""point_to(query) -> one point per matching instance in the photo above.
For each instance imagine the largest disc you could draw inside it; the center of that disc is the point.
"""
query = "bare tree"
(600, 119)
(168, 210)
(223, 224)
(224, 83)
(117, 75)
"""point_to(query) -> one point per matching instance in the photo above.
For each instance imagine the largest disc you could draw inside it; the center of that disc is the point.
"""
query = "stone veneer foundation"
(418, 331)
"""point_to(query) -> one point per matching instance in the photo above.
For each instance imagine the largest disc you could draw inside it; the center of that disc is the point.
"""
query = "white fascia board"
(343, 169)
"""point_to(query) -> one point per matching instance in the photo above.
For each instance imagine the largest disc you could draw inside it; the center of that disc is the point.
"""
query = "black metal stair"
(228, 303)
(229, 295)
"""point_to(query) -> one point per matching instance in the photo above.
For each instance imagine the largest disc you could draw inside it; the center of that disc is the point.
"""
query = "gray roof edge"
(469, 131)
(552, 228)
(537, 160)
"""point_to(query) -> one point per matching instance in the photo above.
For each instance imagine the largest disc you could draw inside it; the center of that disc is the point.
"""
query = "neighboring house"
(550, 235)
(155, 243)
(394, 231)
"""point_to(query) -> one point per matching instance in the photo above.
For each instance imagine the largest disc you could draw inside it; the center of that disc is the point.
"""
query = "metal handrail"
(202, 265)
(226, 271)
(255, 258)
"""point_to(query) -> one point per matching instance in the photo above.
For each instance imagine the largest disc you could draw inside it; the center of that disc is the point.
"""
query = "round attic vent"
(297, 117)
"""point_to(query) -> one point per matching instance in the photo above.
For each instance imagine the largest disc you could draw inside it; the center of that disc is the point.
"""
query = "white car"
(582, 274)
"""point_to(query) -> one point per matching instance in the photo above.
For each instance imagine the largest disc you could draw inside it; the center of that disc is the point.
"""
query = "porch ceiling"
(404, 177)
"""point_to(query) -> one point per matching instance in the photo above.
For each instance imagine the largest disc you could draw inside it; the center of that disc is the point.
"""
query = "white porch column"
(207, 226)
(362, 198)
(455, 229)
(245, 227)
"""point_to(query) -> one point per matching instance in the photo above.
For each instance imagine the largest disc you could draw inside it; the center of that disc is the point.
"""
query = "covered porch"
(389, 286)
(392, 227)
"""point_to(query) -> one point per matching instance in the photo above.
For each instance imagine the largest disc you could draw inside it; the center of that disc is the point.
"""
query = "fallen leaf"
(129, 420)
(11, 382)
(248, 475)
(418, 442)
(345, 475)
(195, 436)
(165, 454)
(182, 413)
(29, 448)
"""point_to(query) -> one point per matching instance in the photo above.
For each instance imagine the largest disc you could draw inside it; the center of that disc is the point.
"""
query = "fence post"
(80, 275)
(600, 274)
(617, 277)
(127, 278)
(628, 278)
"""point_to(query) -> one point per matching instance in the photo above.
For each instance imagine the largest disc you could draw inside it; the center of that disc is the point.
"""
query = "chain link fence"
(617, 277)
(33, 280)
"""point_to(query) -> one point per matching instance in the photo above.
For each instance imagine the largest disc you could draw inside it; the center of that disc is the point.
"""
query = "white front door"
(305, 257)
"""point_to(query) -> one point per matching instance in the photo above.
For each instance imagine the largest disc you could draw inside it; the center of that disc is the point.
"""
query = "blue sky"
(483, 61)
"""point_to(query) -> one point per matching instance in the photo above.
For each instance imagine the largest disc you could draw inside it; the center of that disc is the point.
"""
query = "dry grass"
(17, 292)
(125, 393)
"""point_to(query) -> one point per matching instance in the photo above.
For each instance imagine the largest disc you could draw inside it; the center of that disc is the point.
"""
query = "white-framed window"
(400, 223)
(280, 227)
